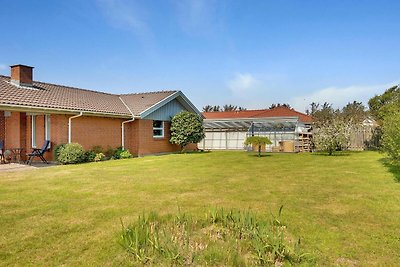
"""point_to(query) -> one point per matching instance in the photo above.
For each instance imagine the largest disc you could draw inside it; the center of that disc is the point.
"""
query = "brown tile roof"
(59, 97)
(261, 113)
(139, 102)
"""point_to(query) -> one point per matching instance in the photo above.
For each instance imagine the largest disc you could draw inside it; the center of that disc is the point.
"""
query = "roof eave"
(23, 108)
(186, 102)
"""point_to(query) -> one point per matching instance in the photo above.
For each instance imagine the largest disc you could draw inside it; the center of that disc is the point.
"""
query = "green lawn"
(346, 209)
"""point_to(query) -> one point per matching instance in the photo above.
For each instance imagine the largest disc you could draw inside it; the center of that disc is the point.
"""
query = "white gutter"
(70, 125)
(123, 124)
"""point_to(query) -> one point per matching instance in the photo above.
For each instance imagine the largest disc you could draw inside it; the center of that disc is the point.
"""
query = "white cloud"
(242, 83)
(338, 96)
(128, 15)
(3, 66)
(198, 17)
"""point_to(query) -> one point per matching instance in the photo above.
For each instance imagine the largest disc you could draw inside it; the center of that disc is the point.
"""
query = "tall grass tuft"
(222, 237)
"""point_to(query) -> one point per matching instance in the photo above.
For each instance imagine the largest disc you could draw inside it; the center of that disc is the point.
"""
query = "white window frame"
(33, 130)
(159, 128)
(47, 127)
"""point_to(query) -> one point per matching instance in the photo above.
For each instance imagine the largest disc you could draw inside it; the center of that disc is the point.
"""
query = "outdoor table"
(16, 154)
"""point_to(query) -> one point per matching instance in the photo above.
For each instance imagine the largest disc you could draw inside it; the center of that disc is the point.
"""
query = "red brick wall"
(2, 125)
(93, 131)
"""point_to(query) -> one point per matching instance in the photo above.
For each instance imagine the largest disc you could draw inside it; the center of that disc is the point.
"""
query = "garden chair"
(2, 158)
(39, 153)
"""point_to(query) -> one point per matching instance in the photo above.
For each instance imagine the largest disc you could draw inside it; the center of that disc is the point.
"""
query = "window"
(158, 129)
(47, 127)
(34, 131)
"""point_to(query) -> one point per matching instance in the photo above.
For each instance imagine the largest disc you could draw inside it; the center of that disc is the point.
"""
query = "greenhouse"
(288, 134)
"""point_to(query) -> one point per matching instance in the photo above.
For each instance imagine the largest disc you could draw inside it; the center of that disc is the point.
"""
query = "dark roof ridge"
(151, 92)
(66, 86)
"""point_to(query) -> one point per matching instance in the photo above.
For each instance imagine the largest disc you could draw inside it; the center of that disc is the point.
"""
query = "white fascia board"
(186, 102)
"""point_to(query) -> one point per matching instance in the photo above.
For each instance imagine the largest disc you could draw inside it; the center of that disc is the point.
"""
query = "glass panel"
(157, 124)
(157, 133)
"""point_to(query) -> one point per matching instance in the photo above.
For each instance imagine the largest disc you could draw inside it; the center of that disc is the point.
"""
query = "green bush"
(186, 128)
(117, 153)
(125, 154)
(56, 151)
(71, 154)
(97, 149)
(109, 152)
(89, 156)
(99, 157)
(391, 136)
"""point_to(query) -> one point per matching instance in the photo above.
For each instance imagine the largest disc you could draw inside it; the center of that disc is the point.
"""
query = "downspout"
(70, 126)
(123, 123)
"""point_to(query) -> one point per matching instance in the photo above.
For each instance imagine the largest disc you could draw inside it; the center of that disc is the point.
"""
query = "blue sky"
(247, 53)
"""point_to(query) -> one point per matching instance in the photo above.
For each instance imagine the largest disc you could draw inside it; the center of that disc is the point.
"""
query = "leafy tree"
(322, 113)
(391, 135)
(332, 135)
(207, 108)
(354, 111)
(186, 127)
(379, 105)
(257, 141)
(279, 105)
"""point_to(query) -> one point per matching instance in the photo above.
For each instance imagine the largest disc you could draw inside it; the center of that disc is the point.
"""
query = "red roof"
(260, 113)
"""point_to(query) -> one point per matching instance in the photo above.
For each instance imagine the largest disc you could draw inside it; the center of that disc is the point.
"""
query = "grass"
(345, 209)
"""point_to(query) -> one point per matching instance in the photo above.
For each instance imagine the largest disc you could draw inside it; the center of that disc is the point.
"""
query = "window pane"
(157, 124)
(157, 133)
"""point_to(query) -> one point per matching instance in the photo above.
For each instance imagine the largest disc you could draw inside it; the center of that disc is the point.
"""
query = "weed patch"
(222, 237)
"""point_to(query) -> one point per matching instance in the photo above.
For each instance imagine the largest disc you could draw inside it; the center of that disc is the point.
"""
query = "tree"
(354, 111)
(379, 105)
(207, 108)
(279, 105)
(391, 135)
(257, 141)
(332, 135)
(186, 127)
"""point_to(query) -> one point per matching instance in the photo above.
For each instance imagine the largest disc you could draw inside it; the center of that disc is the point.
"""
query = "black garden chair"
(39, 153)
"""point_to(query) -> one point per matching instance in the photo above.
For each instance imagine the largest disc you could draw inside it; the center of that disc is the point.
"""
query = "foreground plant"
(232, 237)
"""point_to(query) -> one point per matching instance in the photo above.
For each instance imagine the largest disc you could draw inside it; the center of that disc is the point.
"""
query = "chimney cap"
(21, 65)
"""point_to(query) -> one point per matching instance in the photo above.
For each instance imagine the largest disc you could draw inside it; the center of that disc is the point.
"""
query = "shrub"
(333, 135)
(56, 151)
(391, 136)
(99, 157)
(109, 153)
(125, 154)
(186, 127)
(117, 153)
(89, 156)
(97, 149)
(71, 154)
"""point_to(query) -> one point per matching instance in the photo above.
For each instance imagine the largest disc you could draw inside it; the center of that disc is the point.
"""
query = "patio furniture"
(16, 154)
(2, 158)
(39, 153)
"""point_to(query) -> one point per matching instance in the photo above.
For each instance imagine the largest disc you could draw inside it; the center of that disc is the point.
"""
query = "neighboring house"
(283, 126)
(31, 112)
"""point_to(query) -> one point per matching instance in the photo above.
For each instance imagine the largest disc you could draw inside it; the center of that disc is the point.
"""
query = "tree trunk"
(259, 150)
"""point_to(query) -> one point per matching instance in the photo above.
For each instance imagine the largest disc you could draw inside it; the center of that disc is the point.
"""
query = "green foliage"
(186, 128)
(380, 105)
(391, 135)
(257, 141)
(125, 154)
(89, 156)
(56, 151)
(99, 157)
(117, 153)
(109, 152)
(97, 149)
(332, 136)
(223, 237)
(71, 154)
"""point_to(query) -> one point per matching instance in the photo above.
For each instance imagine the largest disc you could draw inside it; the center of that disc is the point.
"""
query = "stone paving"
(22, 167)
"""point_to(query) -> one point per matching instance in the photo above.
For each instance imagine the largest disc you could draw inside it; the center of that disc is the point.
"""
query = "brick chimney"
(21, 75)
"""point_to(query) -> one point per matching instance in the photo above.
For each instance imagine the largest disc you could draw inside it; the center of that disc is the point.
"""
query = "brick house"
(31, 112)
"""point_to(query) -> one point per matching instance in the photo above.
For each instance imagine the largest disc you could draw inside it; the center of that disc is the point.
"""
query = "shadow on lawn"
(335, 154)
(393, 168)
(261, 156)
